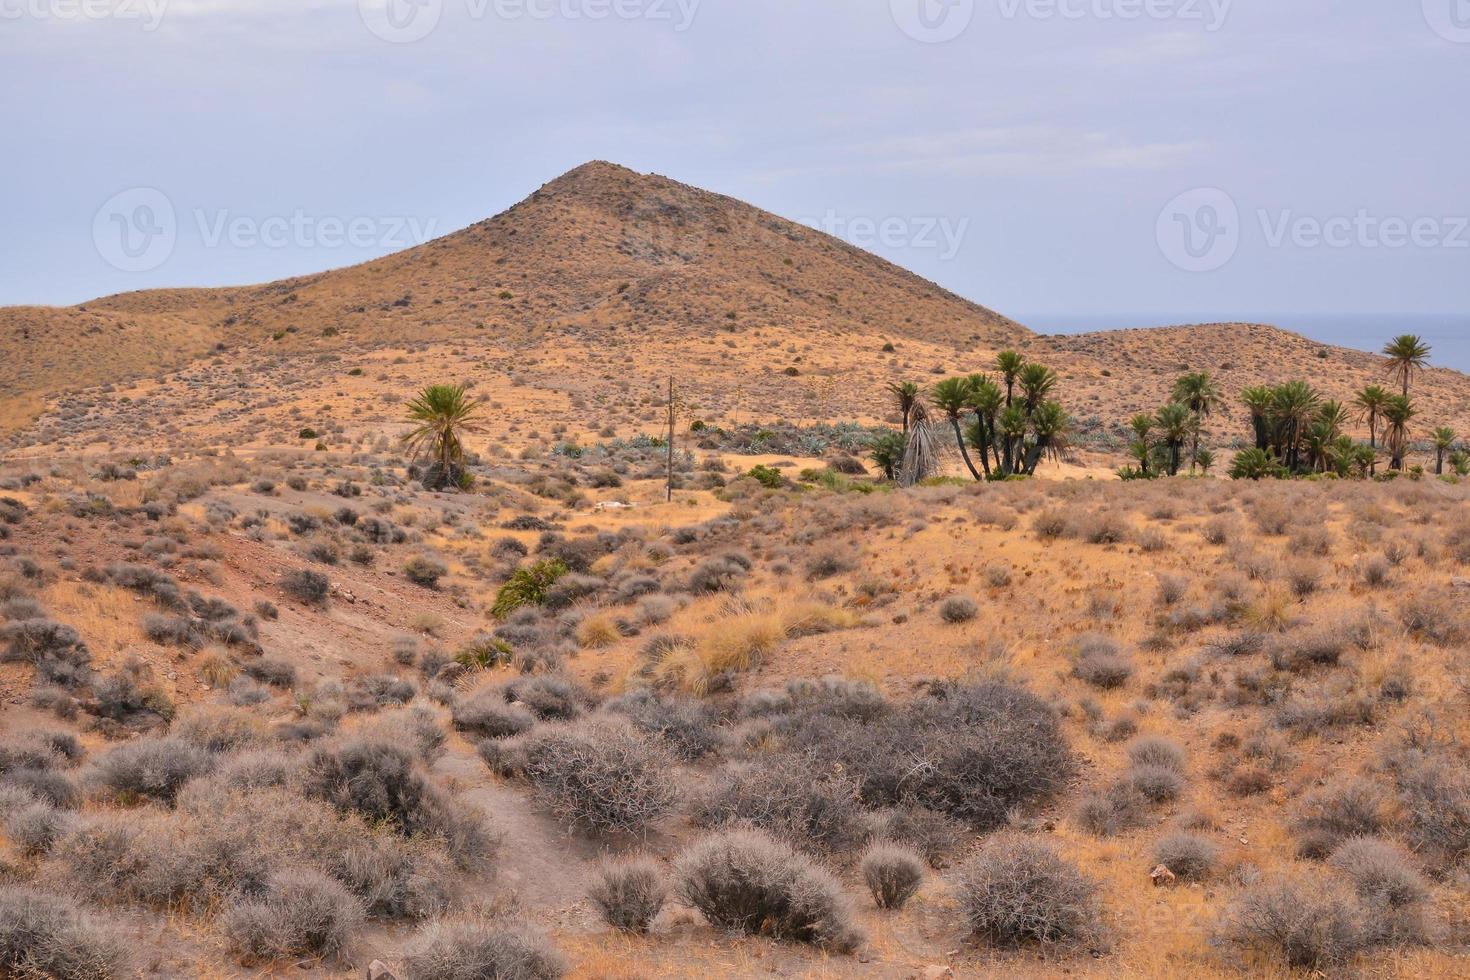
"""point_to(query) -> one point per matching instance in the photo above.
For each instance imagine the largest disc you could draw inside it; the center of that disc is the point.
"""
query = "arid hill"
(593, 291)
(597, 251)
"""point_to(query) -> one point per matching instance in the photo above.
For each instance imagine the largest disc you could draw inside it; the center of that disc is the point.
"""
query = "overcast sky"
(1095, 156)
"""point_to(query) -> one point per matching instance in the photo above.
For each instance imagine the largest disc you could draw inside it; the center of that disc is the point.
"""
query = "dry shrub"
(480, 950)
(154, 768)
(1310, 921)
(601, 775)
(973, 752)
(301, 913)
(1018, 890)
(629, 893)
(958, 609)
(47, 936)
(787, 800)
(1099, 661)
(892, 873)
(750, 882)
(1189, 856)
(1348, 808)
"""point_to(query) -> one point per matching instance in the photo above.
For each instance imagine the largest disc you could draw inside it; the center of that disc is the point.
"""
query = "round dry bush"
(686, 726)
(1356, 807)
(1380, 871)
(482, 951)
(156, 768)
(892, 873)
(1120, 809)
(775, 796)
(1156, 784)
(1190, 856)
(306, 586)
(1311, 922)
(1101, 664)
(34, 827)
(46, 936)
(988, 749)
(302, 913)
(750, 882)
(629, 893)
(218, 728)
(958, 609)
(487, 714)
(1155, 751)
(1017, 890)
(598, 776)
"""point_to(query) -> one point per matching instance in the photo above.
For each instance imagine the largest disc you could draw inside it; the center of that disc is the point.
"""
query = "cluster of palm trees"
(1159, 440)
(1010, 422)
(1299, 432)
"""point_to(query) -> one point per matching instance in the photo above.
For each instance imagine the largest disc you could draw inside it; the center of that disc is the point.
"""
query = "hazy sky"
(1095, 156)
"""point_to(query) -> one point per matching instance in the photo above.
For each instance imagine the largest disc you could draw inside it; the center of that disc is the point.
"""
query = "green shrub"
(527, 587)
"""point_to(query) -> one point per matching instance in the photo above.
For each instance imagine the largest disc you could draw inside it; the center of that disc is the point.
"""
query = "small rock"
(378, 970)
(937, 971)
(1161, 876)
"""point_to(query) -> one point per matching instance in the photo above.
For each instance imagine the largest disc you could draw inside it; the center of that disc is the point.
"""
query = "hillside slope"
(601, 249)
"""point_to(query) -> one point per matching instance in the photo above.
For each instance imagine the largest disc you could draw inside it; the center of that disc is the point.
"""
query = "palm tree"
(1370, 401)
(1252, 464)
(1398, 412)
(441, 414)
(1406, 354)
(987, 400)
(1141, 447)
(907, 395)
(1444, 441)
(1049, 425)
(1258, 401)
(887, 453)
(1199, 394)
(1009, 364)
(1293, 407)
(1205, 459)
(1036, 381)
(1175, 420)
(952, 397)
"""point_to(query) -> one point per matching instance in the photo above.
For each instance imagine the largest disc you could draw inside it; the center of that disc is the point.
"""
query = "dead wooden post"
(671, 441)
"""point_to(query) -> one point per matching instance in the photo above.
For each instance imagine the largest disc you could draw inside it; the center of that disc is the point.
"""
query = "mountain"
(579, 303)
(600, 249)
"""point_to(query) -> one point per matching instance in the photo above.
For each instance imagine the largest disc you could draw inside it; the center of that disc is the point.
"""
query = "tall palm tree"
(1175, 421)
(906, 393)
(1258, 401)
(1397, 414)
(1444, 441)
(952, 397)
(1009, 364)
(987, 400)
(1294, 407)
(1198, 392)
(1370, 402)
(1405, 355)
(441, 414)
